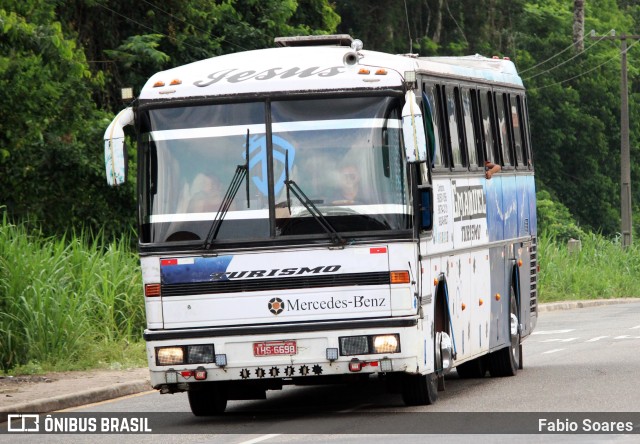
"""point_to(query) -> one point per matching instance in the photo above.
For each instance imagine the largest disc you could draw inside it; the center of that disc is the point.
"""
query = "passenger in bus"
(349, 191)
(490, 169)
(206, 194)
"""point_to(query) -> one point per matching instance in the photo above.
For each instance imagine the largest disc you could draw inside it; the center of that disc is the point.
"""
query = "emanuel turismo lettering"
(471, 233)
(275, 272)
(235, 76)
(468, 202)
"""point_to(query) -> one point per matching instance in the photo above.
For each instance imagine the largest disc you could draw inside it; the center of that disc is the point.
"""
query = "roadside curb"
(569, 305)
(77, 399)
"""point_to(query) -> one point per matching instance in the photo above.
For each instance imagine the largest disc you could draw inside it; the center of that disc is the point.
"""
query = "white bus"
(317, 213)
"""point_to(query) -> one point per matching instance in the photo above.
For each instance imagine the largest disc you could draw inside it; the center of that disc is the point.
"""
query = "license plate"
(274, 348)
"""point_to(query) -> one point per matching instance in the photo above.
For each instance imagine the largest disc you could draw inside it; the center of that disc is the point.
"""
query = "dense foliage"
(62, 65)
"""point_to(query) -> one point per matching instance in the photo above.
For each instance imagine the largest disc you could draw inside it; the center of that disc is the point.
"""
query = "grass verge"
(68, 303)
(602, 269)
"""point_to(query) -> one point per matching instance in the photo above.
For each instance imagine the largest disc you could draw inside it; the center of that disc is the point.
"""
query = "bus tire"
(209, 400)
(475, 368)
(506, 361)
(419, 389)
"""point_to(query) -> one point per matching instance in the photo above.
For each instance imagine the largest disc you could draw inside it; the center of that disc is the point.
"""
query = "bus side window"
(478, 125)
(435, 151)
(522, 114)
(502, 106)
(518, 143)
(470, 129)
(441, 105)
(454, 137)
(526, 124)
(494, 145)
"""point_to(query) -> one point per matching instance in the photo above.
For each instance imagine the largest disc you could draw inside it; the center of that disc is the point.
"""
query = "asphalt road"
(583, 360)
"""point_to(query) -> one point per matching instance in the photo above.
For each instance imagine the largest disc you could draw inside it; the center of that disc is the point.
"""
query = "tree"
(61, 70)
(48, 160)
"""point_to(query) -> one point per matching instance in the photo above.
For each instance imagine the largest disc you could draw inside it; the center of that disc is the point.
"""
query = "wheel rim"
(443, 349)
(513, 330)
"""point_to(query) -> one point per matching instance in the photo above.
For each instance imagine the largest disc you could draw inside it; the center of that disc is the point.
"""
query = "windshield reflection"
(344, 154)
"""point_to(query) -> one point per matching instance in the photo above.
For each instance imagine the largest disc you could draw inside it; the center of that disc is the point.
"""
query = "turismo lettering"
(275, 272)
(471, 233)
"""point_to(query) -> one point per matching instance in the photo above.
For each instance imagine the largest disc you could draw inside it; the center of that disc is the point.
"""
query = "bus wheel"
(505, 362)
(208, 400)
(475, 368)
(419, 389)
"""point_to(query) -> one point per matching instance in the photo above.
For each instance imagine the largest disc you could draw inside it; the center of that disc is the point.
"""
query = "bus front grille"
(287, 283)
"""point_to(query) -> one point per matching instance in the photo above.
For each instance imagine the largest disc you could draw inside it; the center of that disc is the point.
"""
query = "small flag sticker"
(177, 261)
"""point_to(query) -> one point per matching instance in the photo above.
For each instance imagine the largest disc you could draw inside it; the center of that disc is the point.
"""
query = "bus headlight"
(170, 355)
(367, 345)
(386, 344)
(188, 354)
(198, 354)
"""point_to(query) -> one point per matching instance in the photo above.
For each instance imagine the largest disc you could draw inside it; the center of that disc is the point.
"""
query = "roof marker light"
(381, 72)
(176, 82)
(364, 71)
(158, 84)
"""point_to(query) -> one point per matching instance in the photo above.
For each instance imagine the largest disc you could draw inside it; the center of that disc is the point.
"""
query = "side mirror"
(115, 152)
(426, 207)
(415, 142)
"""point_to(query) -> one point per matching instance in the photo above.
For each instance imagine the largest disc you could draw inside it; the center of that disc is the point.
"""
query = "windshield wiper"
(241, 173)
(309, 205)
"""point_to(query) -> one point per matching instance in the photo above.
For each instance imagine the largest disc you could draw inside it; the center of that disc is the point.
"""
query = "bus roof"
(317, 68)
(474, 67)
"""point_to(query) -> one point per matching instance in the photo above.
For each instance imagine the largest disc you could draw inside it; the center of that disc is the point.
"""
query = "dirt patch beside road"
(19, 390)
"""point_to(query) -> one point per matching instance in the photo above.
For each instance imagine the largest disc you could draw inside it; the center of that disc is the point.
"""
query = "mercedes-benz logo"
(276, 306)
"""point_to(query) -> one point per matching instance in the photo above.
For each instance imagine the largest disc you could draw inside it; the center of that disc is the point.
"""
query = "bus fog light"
(200, 354)
(386, 365)
(221, 360)
(171, 377)
(386, 344)
(170, 355)
(332, 354)
(354, 345)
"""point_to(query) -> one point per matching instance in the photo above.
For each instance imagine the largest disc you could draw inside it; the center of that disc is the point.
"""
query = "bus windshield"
(344, 154)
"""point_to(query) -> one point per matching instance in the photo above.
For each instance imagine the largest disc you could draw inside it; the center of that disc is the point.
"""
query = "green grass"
(68, 303)
(600, 270)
